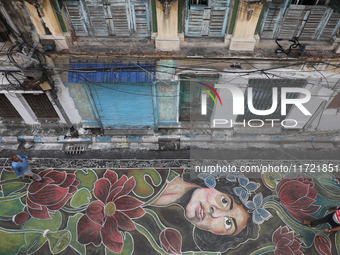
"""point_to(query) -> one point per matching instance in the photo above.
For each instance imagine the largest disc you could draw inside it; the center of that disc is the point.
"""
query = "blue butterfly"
(232, 176)
(246, 188)
(209, 180)
(260, 214)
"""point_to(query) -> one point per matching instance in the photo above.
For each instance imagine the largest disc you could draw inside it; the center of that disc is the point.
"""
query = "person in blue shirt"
(21, 167)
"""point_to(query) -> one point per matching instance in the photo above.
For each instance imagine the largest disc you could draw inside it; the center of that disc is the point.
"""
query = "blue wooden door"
(124, 105)
(121, 94)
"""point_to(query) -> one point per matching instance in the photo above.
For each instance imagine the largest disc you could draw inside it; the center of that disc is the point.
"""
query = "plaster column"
(247, 17)
(167, 25)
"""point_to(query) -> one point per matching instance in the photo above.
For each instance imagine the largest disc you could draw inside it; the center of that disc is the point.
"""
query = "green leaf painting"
(87, 178)
(143, 188)
(10, 243)
(270, 179)
(58, 241)
(10, 187)
(11, 207)
(72, 227)
(37, 239)
(337, 242)
(81, 197)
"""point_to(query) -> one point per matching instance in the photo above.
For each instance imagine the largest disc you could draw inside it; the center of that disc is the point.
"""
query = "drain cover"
(74, 149)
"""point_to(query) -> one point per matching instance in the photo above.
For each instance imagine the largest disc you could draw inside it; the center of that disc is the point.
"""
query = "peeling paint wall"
(48, 18)
(83, 105)
(167, 19)
(167, 101)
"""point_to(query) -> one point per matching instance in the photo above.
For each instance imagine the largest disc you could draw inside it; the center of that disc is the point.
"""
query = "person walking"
(21, 168)
(332, 219)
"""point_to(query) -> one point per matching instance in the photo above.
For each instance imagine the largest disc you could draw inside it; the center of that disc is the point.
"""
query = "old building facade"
(133, 72)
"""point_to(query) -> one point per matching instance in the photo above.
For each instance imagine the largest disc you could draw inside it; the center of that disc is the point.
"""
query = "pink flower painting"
(113, 210)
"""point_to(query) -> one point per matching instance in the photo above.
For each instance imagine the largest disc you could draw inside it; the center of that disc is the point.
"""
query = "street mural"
(165, 211)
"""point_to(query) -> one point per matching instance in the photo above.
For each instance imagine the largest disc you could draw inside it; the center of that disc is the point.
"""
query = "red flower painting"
(20, 218)
(113, 210)
(286, 242)
(171, 241)
(50, 195)
(297, 196)
(322, 245)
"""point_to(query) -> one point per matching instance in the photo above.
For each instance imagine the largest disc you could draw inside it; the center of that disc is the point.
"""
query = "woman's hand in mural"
(332, 230)
(331, 209)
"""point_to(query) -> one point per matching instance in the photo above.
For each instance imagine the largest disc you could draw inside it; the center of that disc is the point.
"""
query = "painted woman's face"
(211, 210)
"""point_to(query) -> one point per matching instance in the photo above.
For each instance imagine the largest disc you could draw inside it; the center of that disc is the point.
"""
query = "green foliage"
(37, 239)
(81, 197)
(270, 179)
(328, 181)
(172, 175)
(10, 187)
(10, 243)
(72, 227)
(144, 189)
(337, 242)
(11, 207)
(59, 240)
(87, 178)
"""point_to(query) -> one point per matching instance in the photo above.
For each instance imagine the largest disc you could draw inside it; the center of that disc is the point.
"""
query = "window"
(199, 2)
(190, 99)
(309, 2)
(263, 99)
(41, 106)
(7, 111)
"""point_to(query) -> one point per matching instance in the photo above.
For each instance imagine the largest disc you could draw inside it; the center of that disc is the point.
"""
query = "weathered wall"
(167, 19)
(48, 16)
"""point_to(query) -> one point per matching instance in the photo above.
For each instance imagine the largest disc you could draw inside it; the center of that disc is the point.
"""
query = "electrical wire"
(192, 69)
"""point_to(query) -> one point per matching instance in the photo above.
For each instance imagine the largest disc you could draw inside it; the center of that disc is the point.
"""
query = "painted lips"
(200, 214)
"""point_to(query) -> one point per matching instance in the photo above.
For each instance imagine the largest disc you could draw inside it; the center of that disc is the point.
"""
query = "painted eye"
(224, 201)
(227, 223)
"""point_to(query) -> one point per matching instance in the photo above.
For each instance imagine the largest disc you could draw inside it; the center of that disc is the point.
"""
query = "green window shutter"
(59, 15)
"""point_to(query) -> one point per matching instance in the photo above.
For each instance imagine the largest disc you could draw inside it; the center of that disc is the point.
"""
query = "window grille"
(7, 110)
(41, 106)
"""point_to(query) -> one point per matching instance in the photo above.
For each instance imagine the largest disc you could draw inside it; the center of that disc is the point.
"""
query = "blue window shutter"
(124, 105)
(209, 20)
(121, 93)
